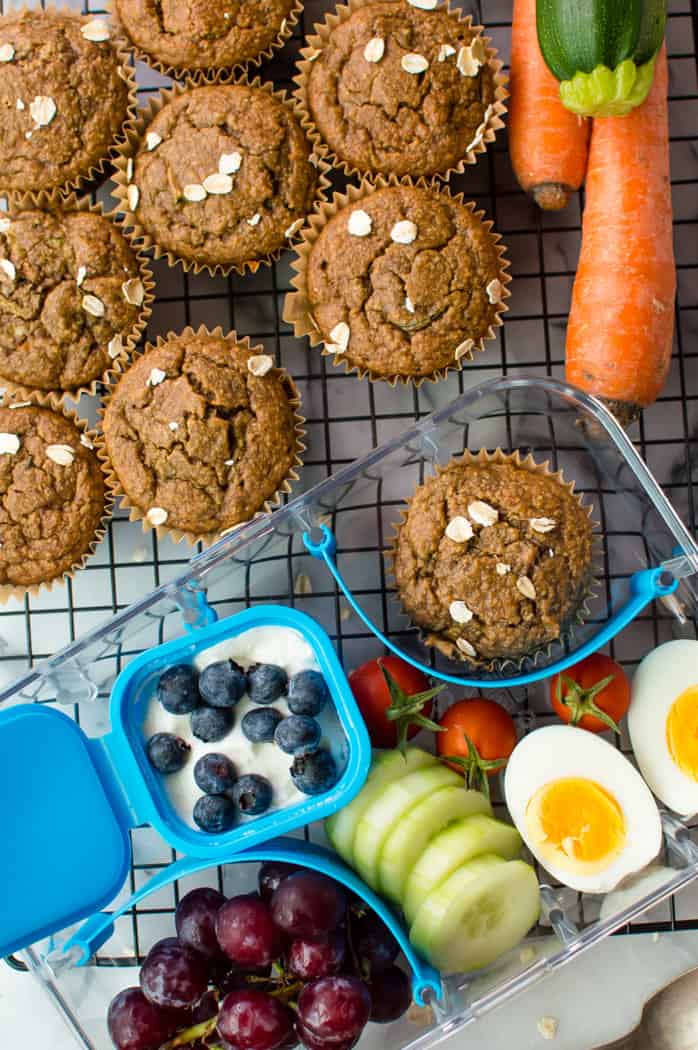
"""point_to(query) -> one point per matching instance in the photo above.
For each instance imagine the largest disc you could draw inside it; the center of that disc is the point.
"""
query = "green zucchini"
(601, 51)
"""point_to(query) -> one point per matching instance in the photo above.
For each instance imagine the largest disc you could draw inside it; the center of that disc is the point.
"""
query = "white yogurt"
(264, 645)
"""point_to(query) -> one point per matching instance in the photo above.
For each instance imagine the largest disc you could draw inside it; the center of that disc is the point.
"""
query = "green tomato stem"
(581, 702)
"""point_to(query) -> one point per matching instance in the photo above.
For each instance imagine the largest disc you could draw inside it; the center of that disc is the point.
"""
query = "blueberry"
(252, 794)
(214, 813)
(211, 723)
(259, 724)
(222, 684)
(307, 693)
(314, 774)
(214, 773)
(167, 753)
(178, 689)
(297, 735)
(266, 683)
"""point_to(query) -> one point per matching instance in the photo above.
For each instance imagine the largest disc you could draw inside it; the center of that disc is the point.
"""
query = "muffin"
(73, 296)
(65, 94)
(493, 558)
(220, 176)
(201, 433)
(402, 283)
(53, 496)
(204, 34)
(395, 87)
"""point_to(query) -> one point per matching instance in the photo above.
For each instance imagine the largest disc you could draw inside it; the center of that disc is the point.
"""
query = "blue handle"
(645, 586)
(96, 930)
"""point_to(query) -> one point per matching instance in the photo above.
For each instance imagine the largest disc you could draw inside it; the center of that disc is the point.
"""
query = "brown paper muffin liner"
(484, 134)
(97, 172)
(46, 400)
(177, 535)
(211, 74)
(54, 200)
(587, 589)
(124, 162)
(298, 311)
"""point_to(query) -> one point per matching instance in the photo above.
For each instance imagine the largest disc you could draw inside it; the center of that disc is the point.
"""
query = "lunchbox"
(260, 564)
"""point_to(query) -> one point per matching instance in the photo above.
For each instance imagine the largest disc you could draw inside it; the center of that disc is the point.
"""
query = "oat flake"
(7, 52)
(463, 349)
(157, 516)
(460, 612)
(465, 647)
(97, 31)
(115, 347)
(20, 104)
(133, 195)
(133, 291)
(260, 364)
(152, 141)
(466, 64)
(92, 305)
(414, 63)
(340, 335)
(502, 568)
(229, 163)
(9, 444)
(360, 223)
(63, 455)
(85, 441)
(255, 220)
(482, 513)
(194, 192)
(294, 228)
(375, 49)
(525, 587)
(303, 584)
(4, 224)
(81, 275)
(424, 5)
(173, 426)
(218, 184)
(459, 530)
(409, 305)
(8, 268)
(43, 110)
(543, 524)
(445, 51)
(404, 232)
(495, 291)
(548, 1026)
(156, 377)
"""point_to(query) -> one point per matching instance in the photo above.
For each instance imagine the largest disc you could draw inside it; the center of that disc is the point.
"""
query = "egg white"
(658, 681)
(559, 751)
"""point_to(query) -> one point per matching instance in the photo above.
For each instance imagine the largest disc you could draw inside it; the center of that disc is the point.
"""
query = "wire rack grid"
(347, 417)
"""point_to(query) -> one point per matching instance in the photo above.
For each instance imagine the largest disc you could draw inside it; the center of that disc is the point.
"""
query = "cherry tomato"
(594, 694)
(480, 735)
(372, 694)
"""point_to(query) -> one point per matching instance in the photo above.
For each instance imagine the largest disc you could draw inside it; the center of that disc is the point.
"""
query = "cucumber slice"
(389, 807)
(481, 911)
(454, 846)
(409, 838)
(386, 767)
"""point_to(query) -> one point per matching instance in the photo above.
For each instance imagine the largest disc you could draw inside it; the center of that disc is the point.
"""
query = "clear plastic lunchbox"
(641, 538)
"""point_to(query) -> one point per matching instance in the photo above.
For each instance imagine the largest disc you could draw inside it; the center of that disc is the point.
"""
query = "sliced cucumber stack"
(411, 836)
(392, 805)
(387, 767)
(457, 844)
(480, 912)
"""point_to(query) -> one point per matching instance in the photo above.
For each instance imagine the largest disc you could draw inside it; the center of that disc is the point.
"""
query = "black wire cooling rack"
(347, 417)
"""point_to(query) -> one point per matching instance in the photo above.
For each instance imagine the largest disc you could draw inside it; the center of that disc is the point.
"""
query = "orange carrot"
(547, 143)
(621, 323)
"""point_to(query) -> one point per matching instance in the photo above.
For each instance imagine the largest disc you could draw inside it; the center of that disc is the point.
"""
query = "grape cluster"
(298, 962)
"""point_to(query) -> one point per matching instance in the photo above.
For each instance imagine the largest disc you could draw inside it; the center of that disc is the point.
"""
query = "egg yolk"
(576, 824)
(682, 731)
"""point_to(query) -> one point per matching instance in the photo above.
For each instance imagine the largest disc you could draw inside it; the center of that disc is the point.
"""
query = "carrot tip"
(551, 196)
(625, 412)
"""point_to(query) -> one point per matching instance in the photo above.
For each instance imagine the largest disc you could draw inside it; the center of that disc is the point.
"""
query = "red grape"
(373, 943)
(173, 976)
(246, 933)
(195, 920)
(271, 874)
(315, 1042)
(136, 1024)
(252, 1020)
(313, 957)
(391, 995)
(308, 904)
(334, 1008)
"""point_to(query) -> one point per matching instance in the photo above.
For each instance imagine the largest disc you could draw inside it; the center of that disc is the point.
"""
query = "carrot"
(547, 143)
(621, 324)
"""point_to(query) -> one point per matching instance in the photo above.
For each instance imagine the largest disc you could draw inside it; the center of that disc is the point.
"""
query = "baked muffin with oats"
(201, 432)
(405, 282)
(64, 98)
(493, 558)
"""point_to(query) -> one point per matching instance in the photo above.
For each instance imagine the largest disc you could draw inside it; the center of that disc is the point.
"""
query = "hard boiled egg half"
(663, 723)
(582, 809)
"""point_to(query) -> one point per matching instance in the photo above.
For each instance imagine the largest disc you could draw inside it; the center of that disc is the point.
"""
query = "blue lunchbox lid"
(69, 801)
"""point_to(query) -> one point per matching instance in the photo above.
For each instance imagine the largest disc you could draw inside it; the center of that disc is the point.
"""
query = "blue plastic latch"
(193, 603)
